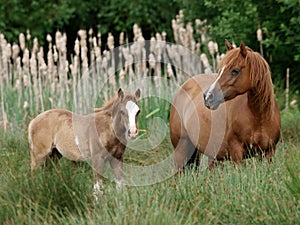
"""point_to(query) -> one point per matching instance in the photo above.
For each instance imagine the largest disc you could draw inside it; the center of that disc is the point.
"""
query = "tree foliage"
(151, 16)
(40, 17)
(239, 20)
(234, 20)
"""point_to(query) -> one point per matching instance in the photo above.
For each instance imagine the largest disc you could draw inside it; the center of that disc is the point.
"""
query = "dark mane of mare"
(260, 76)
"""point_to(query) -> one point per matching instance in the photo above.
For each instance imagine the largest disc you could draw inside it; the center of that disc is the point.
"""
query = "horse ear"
(243, 49)
(138, 93)
(228, 45)
(120, 94)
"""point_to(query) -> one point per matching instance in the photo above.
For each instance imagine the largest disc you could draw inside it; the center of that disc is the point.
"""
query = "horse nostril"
(133, 133)
(207, 96)
(208, 99)
(204, 97)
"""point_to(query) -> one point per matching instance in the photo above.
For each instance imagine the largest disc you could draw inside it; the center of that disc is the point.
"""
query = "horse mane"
(107, 106)
(260, 76)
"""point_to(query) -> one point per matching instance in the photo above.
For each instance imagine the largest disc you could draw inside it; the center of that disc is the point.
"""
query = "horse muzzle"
(133, 133)
(212, 100)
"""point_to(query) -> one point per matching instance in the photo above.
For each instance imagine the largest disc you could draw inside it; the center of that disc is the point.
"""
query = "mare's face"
(232, 79)
(129, 111)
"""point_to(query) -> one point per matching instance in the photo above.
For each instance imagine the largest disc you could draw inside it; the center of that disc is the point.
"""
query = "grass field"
(255, 193)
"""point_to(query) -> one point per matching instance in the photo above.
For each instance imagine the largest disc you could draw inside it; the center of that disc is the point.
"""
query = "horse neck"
(113, 119)
(118, 127)
(104, 113)
(107, 107)
(262, 101)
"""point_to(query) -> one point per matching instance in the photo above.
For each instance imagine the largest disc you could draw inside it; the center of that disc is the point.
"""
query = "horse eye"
(235, 71)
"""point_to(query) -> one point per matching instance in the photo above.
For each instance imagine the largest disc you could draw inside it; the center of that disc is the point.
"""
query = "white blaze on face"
(132, 109)
(212, 87)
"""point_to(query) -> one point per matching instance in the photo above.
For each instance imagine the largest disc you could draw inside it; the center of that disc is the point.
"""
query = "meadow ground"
(255, 193)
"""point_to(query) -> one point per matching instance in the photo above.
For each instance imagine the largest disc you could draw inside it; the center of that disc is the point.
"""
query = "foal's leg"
(38, 155)
(98, 187)
(98, 166)
(183, 152)
(40, 148)
(54, 156)
(117, 167)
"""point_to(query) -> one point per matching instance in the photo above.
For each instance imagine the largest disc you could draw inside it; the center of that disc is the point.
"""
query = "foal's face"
(232, 79)
(128, 113)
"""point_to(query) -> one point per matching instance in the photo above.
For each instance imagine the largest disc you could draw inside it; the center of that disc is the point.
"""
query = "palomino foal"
(94, 138)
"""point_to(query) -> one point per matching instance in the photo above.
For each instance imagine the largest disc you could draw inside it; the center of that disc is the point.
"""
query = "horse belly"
(68, 145)
(207, 130)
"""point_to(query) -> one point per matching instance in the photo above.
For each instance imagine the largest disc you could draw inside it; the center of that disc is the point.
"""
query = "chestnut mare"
(94, 138)
(248, 123)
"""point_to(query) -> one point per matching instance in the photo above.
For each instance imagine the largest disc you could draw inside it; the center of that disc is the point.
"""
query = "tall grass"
(255, 193)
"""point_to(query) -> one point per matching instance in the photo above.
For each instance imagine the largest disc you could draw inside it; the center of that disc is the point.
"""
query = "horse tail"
(30, 134)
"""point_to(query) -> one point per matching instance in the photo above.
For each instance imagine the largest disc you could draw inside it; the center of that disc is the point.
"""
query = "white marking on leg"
(98, 190)
(132, 109)
(210, 89)
(119, 184)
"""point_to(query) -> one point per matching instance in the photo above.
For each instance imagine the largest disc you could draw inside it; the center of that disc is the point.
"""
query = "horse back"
(53, 129)
(50, 121)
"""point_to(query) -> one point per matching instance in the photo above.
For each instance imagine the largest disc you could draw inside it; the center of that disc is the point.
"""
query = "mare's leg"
(117, 167)
(211, 163)
(236, 151)
(183, 153)
(195, 159)
(270, 153)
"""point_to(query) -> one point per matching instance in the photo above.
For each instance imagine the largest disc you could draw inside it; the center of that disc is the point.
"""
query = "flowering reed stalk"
(51, 81)
(260, 38)
(287, 88)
